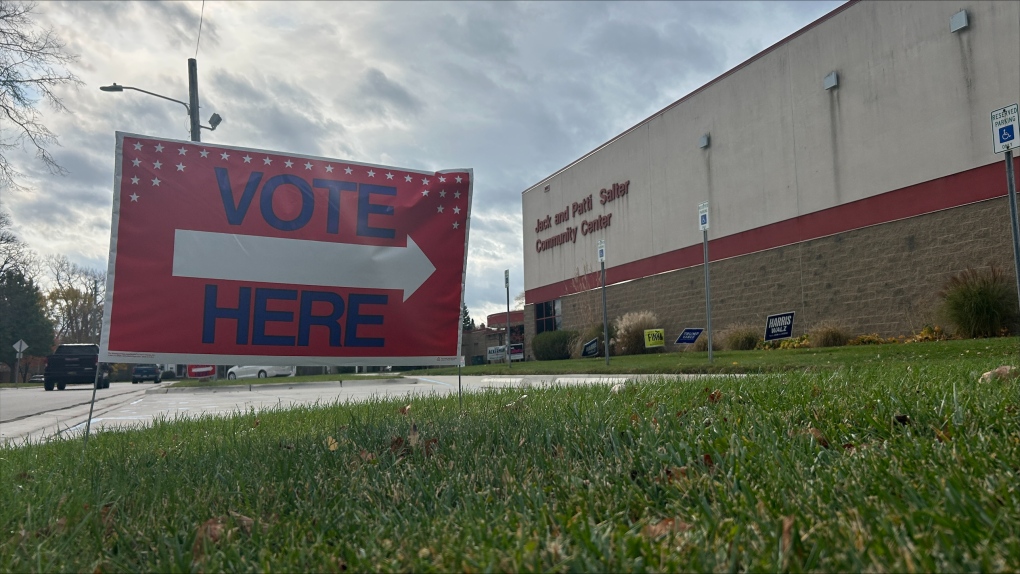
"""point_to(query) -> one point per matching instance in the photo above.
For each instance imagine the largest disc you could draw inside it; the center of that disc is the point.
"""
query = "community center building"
(848, 170)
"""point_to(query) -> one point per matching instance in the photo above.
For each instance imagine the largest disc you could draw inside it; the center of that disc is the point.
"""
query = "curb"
(273, 386)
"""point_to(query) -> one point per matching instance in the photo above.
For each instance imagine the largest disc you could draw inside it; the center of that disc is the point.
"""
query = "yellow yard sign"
(655, 338)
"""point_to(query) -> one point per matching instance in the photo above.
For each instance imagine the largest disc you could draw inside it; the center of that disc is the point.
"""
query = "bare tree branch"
(32, 66)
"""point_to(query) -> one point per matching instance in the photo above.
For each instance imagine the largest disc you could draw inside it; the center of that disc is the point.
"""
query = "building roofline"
(712, 82)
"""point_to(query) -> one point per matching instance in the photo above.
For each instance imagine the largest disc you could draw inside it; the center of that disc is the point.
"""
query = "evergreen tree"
(22, 316)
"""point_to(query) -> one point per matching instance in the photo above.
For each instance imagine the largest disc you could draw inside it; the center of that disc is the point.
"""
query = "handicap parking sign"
(1006, 134)
(1005, 124)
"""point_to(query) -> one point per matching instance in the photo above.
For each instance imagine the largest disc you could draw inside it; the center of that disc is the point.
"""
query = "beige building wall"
(912, 105)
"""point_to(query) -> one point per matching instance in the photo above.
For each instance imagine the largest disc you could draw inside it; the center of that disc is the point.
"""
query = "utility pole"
(196, 135)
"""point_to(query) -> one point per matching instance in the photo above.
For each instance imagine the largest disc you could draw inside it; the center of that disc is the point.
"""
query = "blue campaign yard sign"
(779, 326)
(689, 336)
(591, 348)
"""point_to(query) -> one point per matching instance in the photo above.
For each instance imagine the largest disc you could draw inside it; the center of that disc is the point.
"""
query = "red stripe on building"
(979, 184)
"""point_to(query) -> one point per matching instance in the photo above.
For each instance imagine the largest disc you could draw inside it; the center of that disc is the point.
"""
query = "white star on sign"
(136, 162)
(439, 209)
(155, 181)
(348, 170)
(308, 165)
(458, 179)
(267, 161)
(157, 165)
(134, 180)
(288, 163)
(225, 155)
(247, 159)
(138, 146)
(159, 148)
(442, 193)
(329, 168)
(424, 182)
(182, 151)
(407, 178)
(456, 195)
(134, 197)
(456, 225)
(442, 179)
(456, 210)
(389, 176)
(371, 173)
(204, 153)
(180, 167)
(424, 193)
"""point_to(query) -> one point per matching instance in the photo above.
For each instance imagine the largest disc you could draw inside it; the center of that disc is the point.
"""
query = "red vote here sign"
(223, 254)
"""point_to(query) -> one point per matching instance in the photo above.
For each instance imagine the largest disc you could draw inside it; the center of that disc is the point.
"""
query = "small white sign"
(1005, 128)
(506, 278)
(20, 346)
(703, 216)
(602, 250)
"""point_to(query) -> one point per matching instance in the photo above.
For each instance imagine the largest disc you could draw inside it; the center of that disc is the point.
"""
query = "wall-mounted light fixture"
(831, 81)
(958, 21)
(546, 188)
(704, 141)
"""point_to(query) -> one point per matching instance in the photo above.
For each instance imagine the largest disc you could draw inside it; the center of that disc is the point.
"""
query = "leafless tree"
(14, 253)
(75, 303)
(32, 66)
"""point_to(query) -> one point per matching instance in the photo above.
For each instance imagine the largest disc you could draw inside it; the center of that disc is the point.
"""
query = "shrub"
(829, 334)
(700, 345)
(871, 339)
(630, 333)
(594, 331)
(553, 345)
(928, 333)
(801, 342)
(980, 303)
(740, 337)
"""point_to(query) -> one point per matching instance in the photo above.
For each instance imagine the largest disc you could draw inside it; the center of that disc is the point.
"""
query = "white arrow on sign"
(20, 346)
(208, 255)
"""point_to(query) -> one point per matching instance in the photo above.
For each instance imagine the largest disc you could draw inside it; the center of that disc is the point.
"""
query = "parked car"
(75, 364)
(262, 372)
(37, 379)
(145, 372)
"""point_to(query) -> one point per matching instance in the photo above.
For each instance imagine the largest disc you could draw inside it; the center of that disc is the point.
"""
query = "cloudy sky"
(515, 91)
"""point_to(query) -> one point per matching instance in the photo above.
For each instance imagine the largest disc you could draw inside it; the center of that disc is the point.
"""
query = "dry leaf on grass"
(1003, 373)
(617, 389)
(787, 533)
(819, 437)
(664, 527)
(106, 516)
(943, 434)
(903, 419)
(331, 443)
(369, 457)
(412, 437)
(708, 460)
(211, 531)
(430, 446)
(256, 423)
(715, 396)
(405, 410)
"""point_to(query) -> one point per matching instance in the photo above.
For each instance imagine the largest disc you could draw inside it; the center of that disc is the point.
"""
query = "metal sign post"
(703, 225)
(19, 347)
(1005, 129)
(605, 316)
(506, 283)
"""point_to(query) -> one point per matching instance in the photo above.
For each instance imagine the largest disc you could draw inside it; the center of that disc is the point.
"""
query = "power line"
(201, 19)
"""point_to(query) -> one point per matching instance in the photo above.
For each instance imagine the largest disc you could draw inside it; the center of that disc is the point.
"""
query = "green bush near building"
(553, 345)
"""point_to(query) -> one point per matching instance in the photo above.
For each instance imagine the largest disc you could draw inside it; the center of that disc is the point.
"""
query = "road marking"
(138, 401)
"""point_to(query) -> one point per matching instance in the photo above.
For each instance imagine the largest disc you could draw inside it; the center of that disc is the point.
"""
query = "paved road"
(34, 415)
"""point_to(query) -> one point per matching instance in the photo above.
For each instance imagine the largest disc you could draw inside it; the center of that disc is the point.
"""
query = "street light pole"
(196, 129)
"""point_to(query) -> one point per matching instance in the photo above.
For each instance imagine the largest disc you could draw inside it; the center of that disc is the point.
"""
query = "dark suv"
(146, 373)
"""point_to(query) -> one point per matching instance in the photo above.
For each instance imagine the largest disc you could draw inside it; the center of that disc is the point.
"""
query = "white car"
(262, 372)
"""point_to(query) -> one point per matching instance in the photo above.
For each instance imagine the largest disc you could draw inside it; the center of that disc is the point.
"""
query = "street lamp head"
(113, 88)
(215, 120)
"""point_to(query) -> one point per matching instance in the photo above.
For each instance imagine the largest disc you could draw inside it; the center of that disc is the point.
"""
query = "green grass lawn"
(967, 352)
(904, 463)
